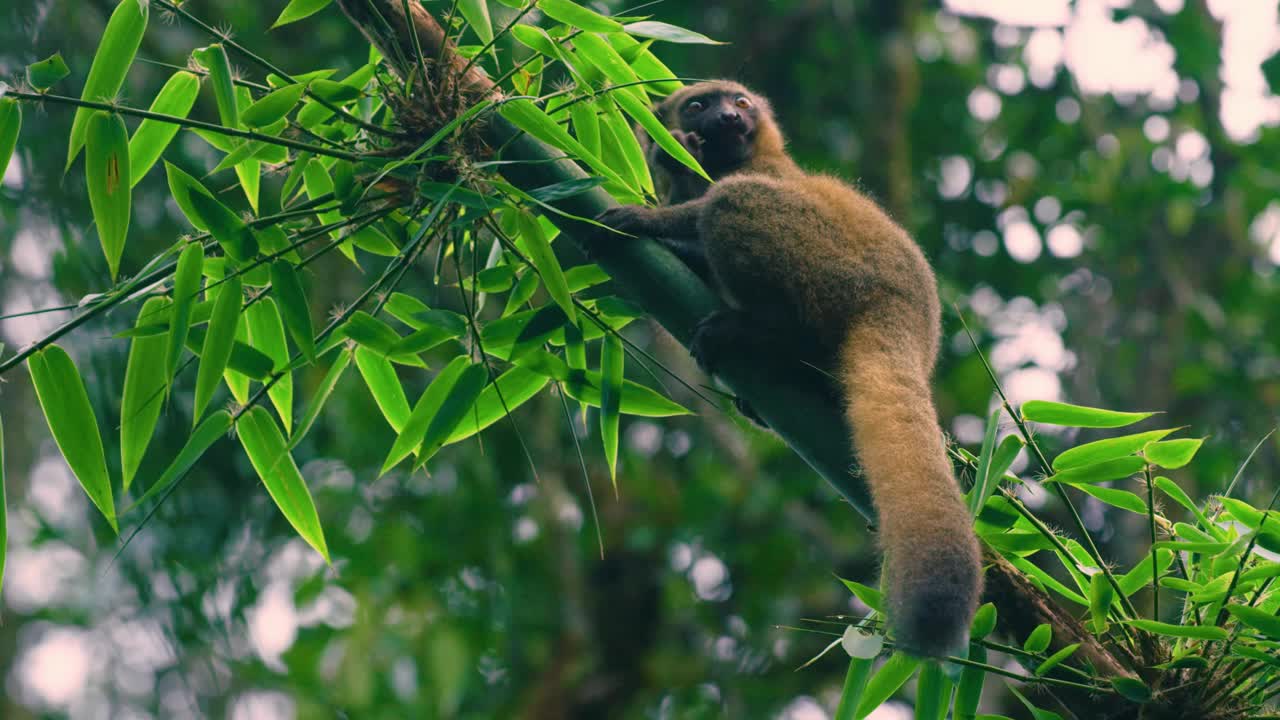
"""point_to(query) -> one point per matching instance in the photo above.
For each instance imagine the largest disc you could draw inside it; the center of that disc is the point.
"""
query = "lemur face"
(724, 115)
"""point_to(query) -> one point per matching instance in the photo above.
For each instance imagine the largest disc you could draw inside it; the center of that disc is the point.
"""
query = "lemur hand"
(630, 219)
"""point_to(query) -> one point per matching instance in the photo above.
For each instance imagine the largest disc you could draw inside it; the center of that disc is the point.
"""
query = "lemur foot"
(749, 412)
(716, 335)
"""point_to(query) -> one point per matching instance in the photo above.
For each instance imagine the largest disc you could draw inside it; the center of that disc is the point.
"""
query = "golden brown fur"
(816, 274)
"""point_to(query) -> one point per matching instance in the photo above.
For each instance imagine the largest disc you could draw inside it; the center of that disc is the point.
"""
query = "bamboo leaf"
(612, 358)
(933, 692)
(646, 64)
(1108, 449)
(320, 397)
(1122, 499)
(635, 399)
(659, 132)
(288, 290)
(46, 73)
(230, 231)
(537, 246)
(145, 382)
(1198, 632)
(1101, 595)
(513, 388)
(669, 33)
(1172, 454)
(273, 106)
(424, 410)
(1258, 619)
(107, 176)
(152, 137)
(370, 332)
(969, 689)
(204, 436)
(530, 118)
(577, 16)
(10, 124)
(855, 681)
(1056, 413)
(885, 682)
(218, 343)
(299, 9)
(1056, 659)
(214, 59)
(270, 457)
(1039, 639)
(1116, 469)
(266, 334)
(186, 286)
(869, 596)
(66, 407)
(380, 377)
(111, 63)
(984, 621)
(586, 126)
(1132, 688)
(476, 13)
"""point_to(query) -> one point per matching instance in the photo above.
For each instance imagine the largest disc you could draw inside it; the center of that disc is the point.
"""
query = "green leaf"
(1108, 449)
(885, 682)
(512, 389)
(106, 173)
(1100, 472)
(1056, 659)
(70, 417)
(458, 403)
(145, 382)
(186, 286)
(4, 531)
(1038, 640)
(388, 393)
(230, 231)
(273, 106)
(424, 410)
(216, 350)
(1122, 499)
(536, 245)
(335, 92)
(46, 73)
(111, 63)
(370, 332)
(1265, 622)
(151, 138)
(855, 682)
(669, 33)
(933, 692)
(1198, 632)
(422, 340)
(621, 147)
(636, 399)
(476, 13)
(266, 334)
(1132, 688)
(1100, 596)
(577, 16)
(530, 118)
(586, 125)
(10, 124)
(1179, 496)
(659, 132)
(607, 60)
(270, 457)
(969, 688)
(984, 622)
(204, 436)
(869, 596)
(612, 358)
(287, 289)
(1056, 413)
(320, 397)
(1172, 454)
(299, 9)
(646, 64)
(214, 59)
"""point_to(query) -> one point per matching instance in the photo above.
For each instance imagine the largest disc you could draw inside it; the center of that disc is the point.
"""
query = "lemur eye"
(743, 102)
(693, 107)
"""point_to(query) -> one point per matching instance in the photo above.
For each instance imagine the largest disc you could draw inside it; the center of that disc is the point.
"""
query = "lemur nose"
(730, 117)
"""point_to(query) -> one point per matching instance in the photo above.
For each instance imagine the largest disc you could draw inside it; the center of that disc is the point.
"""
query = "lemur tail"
(932, 565)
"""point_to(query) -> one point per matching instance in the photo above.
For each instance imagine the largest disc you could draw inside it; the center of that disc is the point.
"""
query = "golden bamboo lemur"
(816, 275)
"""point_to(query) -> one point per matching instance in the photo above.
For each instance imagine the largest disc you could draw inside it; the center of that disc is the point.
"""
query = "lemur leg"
(777, 349)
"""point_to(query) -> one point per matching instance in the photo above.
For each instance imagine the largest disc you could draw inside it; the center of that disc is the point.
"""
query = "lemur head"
(735, 124)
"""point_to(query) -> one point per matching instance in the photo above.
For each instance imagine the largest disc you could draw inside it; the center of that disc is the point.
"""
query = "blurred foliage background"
(1095, 182)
